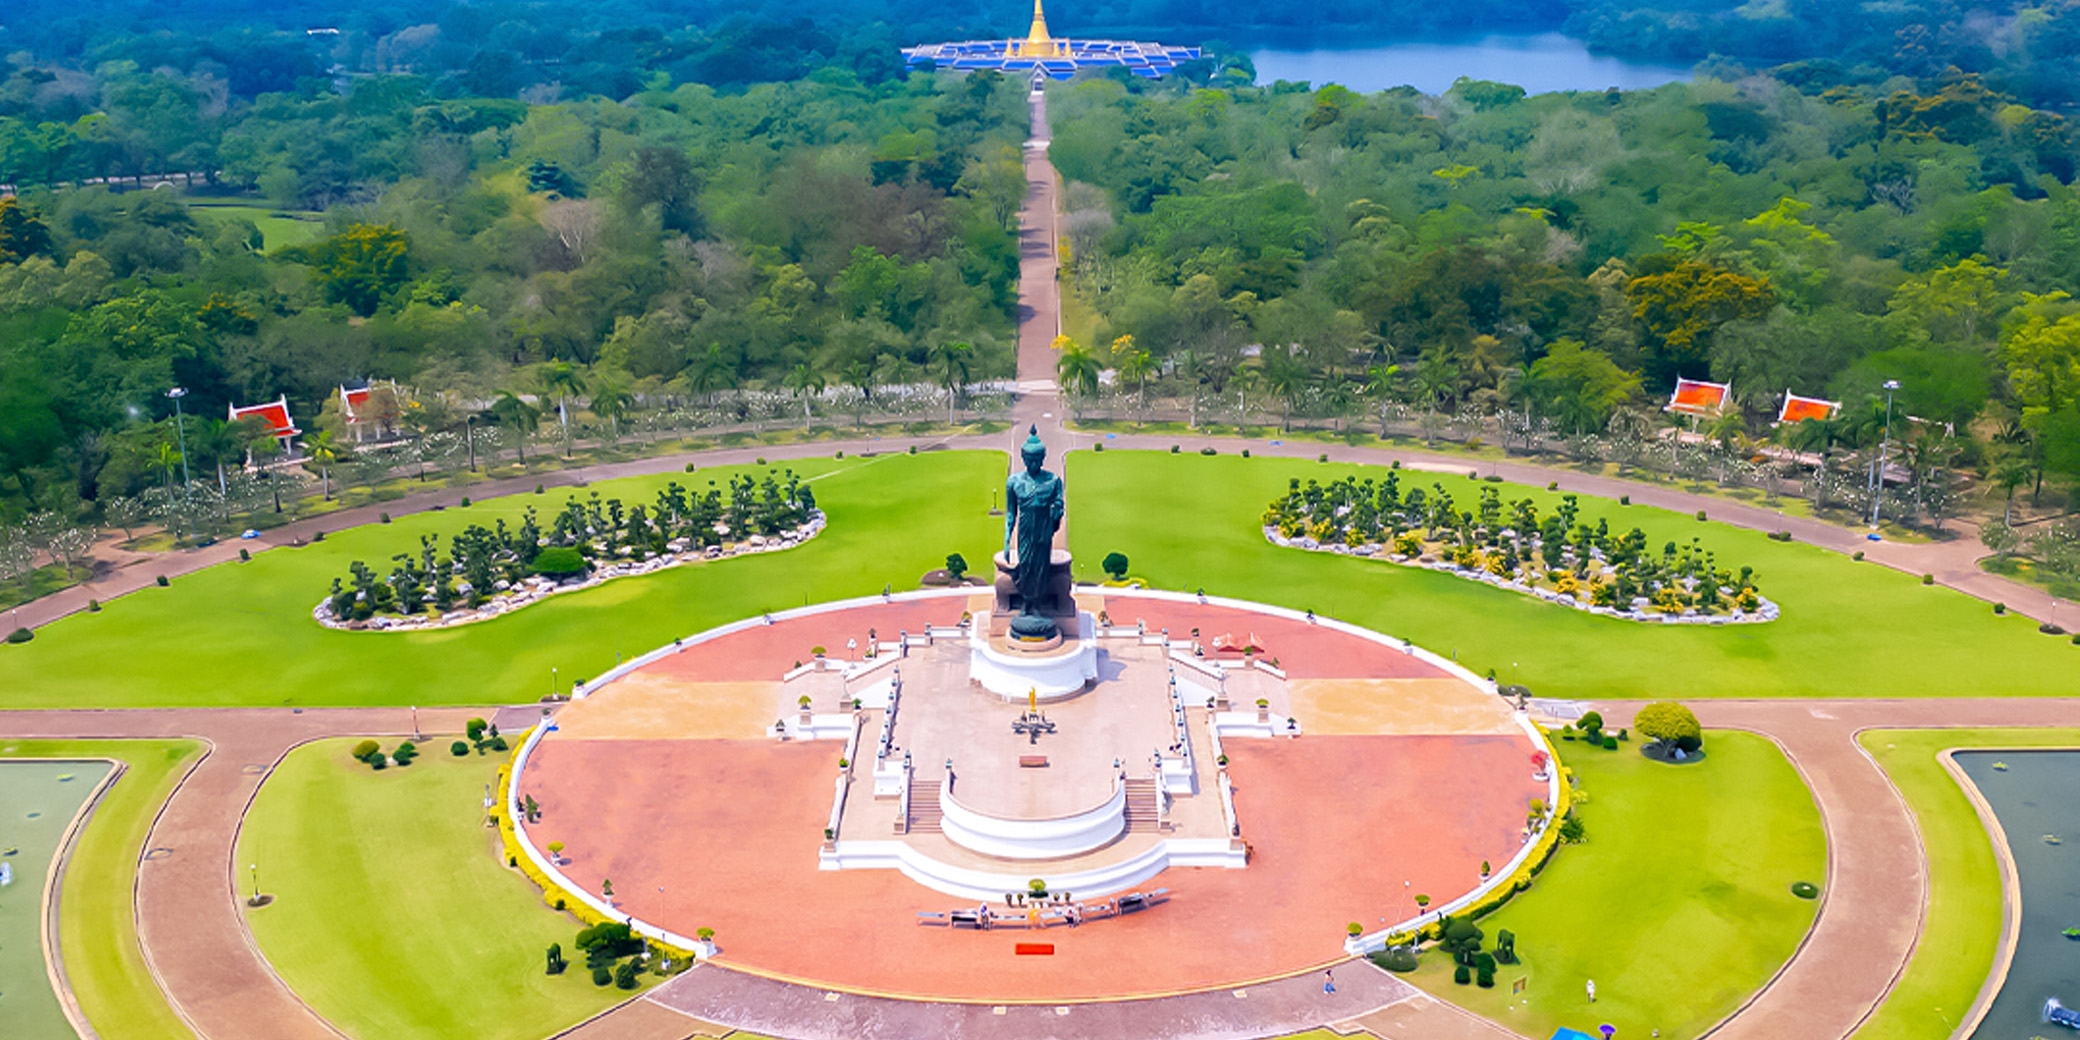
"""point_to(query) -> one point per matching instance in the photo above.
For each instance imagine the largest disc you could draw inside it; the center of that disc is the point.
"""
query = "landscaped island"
(1553, 557)
(495, 570)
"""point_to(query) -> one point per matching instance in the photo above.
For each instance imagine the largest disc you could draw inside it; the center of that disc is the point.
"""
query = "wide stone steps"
(924, 806)
(1144, 805)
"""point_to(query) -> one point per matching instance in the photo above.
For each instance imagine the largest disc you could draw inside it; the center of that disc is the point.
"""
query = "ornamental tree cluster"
(1557, 550)
(584, 530)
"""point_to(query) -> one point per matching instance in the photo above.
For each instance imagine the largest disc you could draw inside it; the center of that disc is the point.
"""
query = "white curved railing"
(1042, 838)
(1092, 883)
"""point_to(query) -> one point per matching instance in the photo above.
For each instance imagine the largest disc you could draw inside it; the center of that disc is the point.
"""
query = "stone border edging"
(2011, 885)
(1371, 551)
(53, 886)
(504, 601)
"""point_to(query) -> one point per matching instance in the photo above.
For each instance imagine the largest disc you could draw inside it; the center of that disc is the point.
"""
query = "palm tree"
(1244, 379)
(522, 418)
(1287, 378)
(859, 375)
(166, 460)
(711, 373)
(1077, 370)
(267, 449)
(1379, 386)
(804, 382)
(324, 449)
(215, 439)
(953, 361)
(610, 402)
(565, 381)
(1136, 366)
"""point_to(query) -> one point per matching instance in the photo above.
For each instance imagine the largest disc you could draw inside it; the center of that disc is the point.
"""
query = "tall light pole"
(1884, 442)
(180, 427)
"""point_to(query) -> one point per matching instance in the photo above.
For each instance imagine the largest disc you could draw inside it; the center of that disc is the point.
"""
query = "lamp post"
(1884, 443)
(180, 427)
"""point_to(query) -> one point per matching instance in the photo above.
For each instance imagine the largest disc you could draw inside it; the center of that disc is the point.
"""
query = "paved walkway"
(1877, 872)
(189, 922)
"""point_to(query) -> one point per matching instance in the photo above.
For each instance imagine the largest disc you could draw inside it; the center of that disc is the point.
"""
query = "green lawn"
(1963, 929)
(1682, 887)
(393, 915)
(278, 228)
(1190, 522)
(243, 634)
(97, 921)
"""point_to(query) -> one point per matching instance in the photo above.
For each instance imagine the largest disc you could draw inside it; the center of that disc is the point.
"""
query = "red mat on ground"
(730, 830)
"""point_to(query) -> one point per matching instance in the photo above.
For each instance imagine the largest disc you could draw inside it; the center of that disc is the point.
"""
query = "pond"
(37, 801)
(1538, 63)
(2032, 797)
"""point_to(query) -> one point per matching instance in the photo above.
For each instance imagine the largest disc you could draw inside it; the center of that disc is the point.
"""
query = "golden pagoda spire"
(1037, 43)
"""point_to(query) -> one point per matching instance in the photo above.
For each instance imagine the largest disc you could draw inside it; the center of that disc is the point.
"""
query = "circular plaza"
(876, 796)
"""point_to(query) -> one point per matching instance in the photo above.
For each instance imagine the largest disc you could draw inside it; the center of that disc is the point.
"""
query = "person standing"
(1592, 991)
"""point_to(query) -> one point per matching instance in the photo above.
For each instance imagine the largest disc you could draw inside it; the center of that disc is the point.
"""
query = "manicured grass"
(42, 581)
(243, 634)
(1682, 887)
(393, 915)
(1848, 629)
(97, 921)
(278, 228)
(1962, 932)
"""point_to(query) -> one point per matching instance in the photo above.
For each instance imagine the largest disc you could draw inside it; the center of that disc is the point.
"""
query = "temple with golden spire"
(1039, 54)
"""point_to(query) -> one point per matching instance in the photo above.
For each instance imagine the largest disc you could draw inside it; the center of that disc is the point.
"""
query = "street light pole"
(180, 426)
(1884, 443)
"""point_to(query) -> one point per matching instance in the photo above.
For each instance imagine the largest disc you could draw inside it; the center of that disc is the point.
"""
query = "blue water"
(2033, 797)
(1539, 63)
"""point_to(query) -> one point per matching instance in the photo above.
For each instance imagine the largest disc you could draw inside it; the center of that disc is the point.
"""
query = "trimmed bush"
(537, 489)
(1857, 556)
(1208, 450)
(366, 749)
(1624, 500)
(459, 748)
(383, 517)
(913, 449)
(1553, 485)
(405, 753)
(465, 501)
(161, 581)
(1115, 564)
(1610, 743)
(689, 467)
(93, 606)
(761, 460)
(625, 975)
(1399, 959)
(2000, 608)
(1700, 514)
(601, 975)
(556, 962)
(1462, 974)
(318, 536)
(559, 561)
(2050, 629)
(1493, 478)
(1805, 890)
(1245, 453)
(1100, 446)
(1928, 579)
(2076, 639)
(1174, 449)
(244, 556)
(20, 635)
(1324, 458)
(1780, 536)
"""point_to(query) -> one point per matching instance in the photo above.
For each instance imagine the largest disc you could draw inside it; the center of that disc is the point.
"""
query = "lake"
(37, 802)
(1538, 63)
(2033, 797)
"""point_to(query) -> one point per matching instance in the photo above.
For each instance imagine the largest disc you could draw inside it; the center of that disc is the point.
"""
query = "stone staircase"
(1144, 805)
(924, 806)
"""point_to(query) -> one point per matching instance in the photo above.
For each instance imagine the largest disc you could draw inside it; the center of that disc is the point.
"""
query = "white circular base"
(1014, 675)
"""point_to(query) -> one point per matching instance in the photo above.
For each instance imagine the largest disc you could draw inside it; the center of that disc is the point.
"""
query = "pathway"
(189, 922)
(1877, 873)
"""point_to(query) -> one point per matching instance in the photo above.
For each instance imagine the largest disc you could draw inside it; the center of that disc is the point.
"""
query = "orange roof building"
(367, 418)
(276, 414)
(1697, 397)
(1799, 409)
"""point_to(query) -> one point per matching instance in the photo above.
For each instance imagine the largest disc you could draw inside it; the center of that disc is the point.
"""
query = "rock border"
(532, 590)
(1768, 611)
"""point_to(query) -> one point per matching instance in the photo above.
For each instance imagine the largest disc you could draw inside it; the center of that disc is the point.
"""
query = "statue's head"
(1033, 451)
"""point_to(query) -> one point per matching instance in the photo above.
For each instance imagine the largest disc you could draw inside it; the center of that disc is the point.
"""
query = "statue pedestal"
(1058, 603)
(1012, 670)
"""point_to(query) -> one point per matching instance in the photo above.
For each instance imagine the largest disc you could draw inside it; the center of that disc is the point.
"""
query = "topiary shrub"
(913, 449)
(383, 517)
(318, 536)
(1610, 743)
(1669, 725)
(1700, 514)
(1245, 453)
(465, 501)
(1857, 556)
(405, 753)
(1552, 485)
(1208, 450)
(459, 748)
(1805, 890)
(1115, 564)
(1174, 449)
(601, 975)
(1398, 959)
(537, 489)
(1100, 446)
(1624, 500)
(366, 750)
(20, 635)
(1780, 536)
(625, 975)
(244, 556)
(161, 581)
(2000, 608)
(559, 562)
(556, 962)
(1462, 974)
(1928, 579)
(2050, 629)
(1324, 458)
(93, 606)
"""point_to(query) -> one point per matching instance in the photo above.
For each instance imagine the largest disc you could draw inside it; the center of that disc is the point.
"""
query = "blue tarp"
(1572, 1034)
